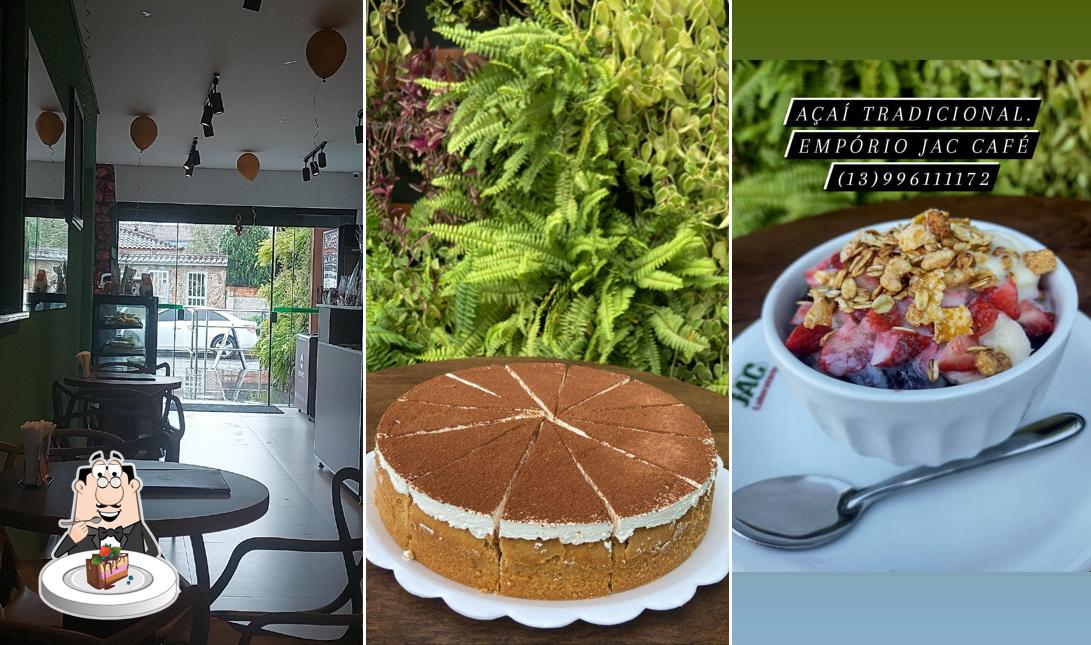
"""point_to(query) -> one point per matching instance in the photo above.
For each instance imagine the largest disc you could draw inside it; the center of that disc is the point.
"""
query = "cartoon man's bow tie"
(117, 533)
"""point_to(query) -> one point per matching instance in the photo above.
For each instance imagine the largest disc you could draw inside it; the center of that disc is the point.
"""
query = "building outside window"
(142, 246)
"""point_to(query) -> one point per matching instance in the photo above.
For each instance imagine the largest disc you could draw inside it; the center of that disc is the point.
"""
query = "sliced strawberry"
(984, 314)
(877, 322)
(835, 260)
(1005, 297)
(803, 341)
(847, 351)
(800, 314)
(896, 346)
(1035, 320)
(866, 282)
(808, 275)
(953, 356)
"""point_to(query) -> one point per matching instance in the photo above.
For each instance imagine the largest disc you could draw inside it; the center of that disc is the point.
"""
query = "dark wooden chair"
(10, 453)
(63, 448)
(130, 414)
(251, 627)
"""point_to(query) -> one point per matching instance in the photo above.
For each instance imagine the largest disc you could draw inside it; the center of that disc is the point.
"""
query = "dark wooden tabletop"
(1063, 225)
(152, 382)
(39, 509)
(396, 616)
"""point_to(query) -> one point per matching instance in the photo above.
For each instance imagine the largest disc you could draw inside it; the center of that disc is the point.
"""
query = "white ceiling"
(161, 64)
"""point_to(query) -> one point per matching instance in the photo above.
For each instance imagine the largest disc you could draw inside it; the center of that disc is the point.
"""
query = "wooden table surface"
(396, 616)
(1063, 225)
(131, 380)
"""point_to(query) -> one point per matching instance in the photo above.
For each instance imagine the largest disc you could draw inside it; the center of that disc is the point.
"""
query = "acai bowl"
(916, 384)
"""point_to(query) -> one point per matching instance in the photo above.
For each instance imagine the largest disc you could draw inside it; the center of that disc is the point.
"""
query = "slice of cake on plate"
(106, 567)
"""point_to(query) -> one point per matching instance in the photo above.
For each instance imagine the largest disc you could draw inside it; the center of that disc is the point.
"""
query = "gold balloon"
(248, 165)
(325, 52)
(143, 131)
(49, 127)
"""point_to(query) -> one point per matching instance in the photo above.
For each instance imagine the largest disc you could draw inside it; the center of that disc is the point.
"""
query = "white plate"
(64, 587)
(1031, 513)
(707, 565)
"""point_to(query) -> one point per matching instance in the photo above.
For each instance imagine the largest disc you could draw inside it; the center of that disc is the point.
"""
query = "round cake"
(546, 481)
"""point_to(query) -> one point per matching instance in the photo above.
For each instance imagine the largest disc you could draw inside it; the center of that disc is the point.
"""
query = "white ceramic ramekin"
(919, 427)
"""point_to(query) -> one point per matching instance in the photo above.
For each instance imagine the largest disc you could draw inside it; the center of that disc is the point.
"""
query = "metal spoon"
(806, 511)
(66, 523)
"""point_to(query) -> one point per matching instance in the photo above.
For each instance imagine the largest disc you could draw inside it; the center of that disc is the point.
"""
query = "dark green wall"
(39, 350)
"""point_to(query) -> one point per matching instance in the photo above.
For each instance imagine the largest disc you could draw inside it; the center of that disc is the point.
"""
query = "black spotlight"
(193, 160)
(215, 99)
(360, 126)
(208, 129)
(314, 168)
(252, 5)
(322, 159)
(306, 173)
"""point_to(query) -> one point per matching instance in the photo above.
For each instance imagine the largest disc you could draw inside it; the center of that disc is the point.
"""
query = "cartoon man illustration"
(106, 509)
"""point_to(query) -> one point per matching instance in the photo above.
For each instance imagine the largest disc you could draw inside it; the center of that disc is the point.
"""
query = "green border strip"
(295, 310)
(922, 29)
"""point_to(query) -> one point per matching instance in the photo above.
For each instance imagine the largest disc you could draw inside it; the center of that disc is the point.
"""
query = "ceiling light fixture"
(252, 5)
(314, 161)
(215, 99)
(193, 159)
(213, 105)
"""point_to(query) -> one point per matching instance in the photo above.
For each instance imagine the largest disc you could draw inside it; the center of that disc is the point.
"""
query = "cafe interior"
(180, 321)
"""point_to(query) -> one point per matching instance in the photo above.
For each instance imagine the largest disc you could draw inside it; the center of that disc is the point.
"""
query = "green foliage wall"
(589, 219)
(770, 189)
(291, 287)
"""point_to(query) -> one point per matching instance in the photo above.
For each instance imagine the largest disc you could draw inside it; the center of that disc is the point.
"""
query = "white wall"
(212, 186)
(39, 175)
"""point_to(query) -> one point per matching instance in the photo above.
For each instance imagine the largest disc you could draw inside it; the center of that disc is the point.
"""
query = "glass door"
(214, 296)
(292, 306)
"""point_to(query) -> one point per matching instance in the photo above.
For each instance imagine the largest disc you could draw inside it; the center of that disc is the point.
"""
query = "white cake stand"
(63, 586)
(707, 565)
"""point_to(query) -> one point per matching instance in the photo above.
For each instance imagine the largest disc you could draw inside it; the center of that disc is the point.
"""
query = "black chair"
(249, 625)
(62, 448)
(129, 414)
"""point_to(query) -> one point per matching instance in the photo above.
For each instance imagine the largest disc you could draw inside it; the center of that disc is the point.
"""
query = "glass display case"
(123, 332)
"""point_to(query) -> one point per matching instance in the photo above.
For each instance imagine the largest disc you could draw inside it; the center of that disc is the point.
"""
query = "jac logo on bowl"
(752, 383)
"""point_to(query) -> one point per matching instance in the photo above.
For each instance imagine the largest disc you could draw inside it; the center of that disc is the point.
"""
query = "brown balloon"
(143, 131)
(248, 165)
(49, 127)
(325, 52)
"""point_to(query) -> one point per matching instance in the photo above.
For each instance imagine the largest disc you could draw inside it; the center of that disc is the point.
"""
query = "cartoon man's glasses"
(113, 481)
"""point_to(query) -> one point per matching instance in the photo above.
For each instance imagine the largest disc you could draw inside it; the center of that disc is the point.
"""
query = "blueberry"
(910, 376)
(870, 376)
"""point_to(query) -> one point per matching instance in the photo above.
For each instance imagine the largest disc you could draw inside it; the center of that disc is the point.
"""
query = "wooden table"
(396, 616)
(1063, 225)
(130, 380)
(166, 514)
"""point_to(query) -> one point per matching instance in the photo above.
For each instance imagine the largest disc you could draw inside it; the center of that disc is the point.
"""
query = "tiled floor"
(277, 450)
